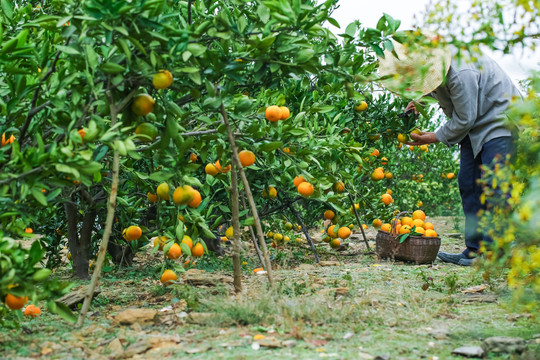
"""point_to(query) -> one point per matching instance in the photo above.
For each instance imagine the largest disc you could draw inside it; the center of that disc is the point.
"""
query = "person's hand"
(411, 106)
(423, 139)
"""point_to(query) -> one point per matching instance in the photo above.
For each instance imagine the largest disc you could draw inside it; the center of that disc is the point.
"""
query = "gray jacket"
(474, 97)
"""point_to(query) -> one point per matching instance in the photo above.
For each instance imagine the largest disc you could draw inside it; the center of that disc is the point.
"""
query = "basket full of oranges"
(410, 239)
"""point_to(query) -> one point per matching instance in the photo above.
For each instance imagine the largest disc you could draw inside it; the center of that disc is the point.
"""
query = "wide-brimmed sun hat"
(421, 64)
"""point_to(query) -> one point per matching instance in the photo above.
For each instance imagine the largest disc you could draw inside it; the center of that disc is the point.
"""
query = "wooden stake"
(237, 269)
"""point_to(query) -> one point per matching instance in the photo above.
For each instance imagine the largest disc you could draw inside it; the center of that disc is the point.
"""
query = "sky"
(516, 65)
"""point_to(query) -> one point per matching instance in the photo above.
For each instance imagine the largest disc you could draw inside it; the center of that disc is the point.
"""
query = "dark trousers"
(494, 151)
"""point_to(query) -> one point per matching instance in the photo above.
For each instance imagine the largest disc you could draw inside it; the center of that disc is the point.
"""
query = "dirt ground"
(350, 306)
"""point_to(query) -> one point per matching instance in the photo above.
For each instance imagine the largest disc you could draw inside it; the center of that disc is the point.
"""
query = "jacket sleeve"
(463, 89)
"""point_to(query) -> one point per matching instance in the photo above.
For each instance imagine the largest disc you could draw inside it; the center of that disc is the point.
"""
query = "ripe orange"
(356, 207)
(335, 243)
(419, 214)
(132, 233)
(406, 221)
(377, 175)
(211, 169)
(339, 187)
(375, 153)
(388, 175)
(168, 276)
(142, 105)
(163, 79)
(344, 232)
(193, 157)
(419, 203)
(285, 112)
(424, 148)
(361, 107)
(196, 199)
(387, 199)
(271, 193)
(273, 113)
(430, 233)
(160, 241)
(32, 311)
(384, 161)
(331, 232)
(229, 233)
(298, 180)
(82, 133)
(197, 250)
(15, 302)
(278, 237)
(28, 230)
(418, 222)
(152, 197)
(163, 191)
(174, 252)
(247, 158)
(420, 230)
(428, 226)
(305, 189)
(286, 150)
(183, 195)
(402, 138)
(405, 229)
(364, 226)
(376, 223)
(10, 140)
(389, 191)
(386, 227)
(450, 175)
(146, 132)
(188, 241)
(329, 214)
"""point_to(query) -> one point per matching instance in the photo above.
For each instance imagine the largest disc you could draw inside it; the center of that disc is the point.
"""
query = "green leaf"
(404, 237)
(195, 77)
(38, 195)
(334, 22)
(250, 221)
(351, 29)
(64, 312)
(264, 13)
(180, 231)
(271, 146)
(112, 68)
(297, 132)
(68, 50)
(206, 231)
(196, 49)
(185, 249)
(7, 6)
(305, 55)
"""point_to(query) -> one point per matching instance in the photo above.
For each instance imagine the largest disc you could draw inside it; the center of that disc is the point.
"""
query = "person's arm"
(463, 89)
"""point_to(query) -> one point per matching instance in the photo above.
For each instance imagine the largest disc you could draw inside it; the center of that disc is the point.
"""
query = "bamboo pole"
(237, 270)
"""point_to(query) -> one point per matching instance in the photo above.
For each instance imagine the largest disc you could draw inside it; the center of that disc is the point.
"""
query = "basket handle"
(394, 225)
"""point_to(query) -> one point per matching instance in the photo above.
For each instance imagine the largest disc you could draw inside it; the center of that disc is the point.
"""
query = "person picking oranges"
(474, 93)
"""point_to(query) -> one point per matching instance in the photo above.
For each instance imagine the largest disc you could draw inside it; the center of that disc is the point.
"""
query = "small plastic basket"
(417, 249)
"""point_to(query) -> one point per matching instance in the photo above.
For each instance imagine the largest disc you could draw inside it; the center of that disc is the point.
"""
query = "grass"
(385, 311)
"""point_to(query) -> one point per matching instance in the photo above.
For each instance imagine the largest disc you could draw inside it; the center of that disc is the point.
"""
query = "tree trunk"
(79, 257)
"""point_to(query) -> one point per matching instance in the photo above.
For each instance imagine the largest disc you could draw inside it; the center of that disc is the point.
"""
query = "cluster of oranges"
(275, 113)
(416, 224)
(303, 187)
(215, 169)
(182, 195)
(335, 234)
(174, 252)
(7, 141)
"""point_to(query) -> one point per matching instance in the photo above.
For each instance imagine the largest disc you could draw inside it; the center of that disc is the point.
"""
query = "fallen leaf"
(474, 289)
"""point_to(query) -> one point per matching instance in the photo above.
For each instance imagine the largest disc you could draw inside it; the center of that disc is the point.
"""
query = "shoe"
(465, 262)
(452, 258)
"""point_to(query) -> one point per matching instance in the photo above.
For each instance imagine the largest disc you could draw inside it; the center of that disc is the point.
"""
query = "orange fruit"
(132, 233)
(356, 207)
(163, 191)
(377, 175)
(188, 241)
(375, 153)
(344, 232)
(335, 243)
(146, 132)
(197, 250)
(193, 157)
(152, 197)
(419, 214)
(388, 175)
(168, 276)
(10, 140)
(331, 232)
(387, 199)
(82, 133)
(211, 169)
(285, 112)
(419, 203)
(418, 222)
(402, 138)
(305, 189)
(15, 302)
(32, 311)
(339, 187)
(384, 161)
(430, 233)
(181, 218)
(398, 227)
(389, 192)
(273, 113)
(298, 180)
(386, 227)
(424, 148)
(271, 193)
(278, 237)
(196, 199)
(406, 221)
(160, 241)
(376, 223)
(362, 106)
(28, 230)
(329, 214)
(428, 226)
(163, 79)
(247, 158)
(183, 195)
(420, 230)
(405, 229)
(286, 150)
(174, 252)
(450, 175)
(142, 105)
(364, 226)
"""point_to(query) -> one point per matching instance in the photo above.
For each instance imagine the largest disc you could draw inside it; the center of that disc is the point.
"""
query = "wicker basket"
(417, 249)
